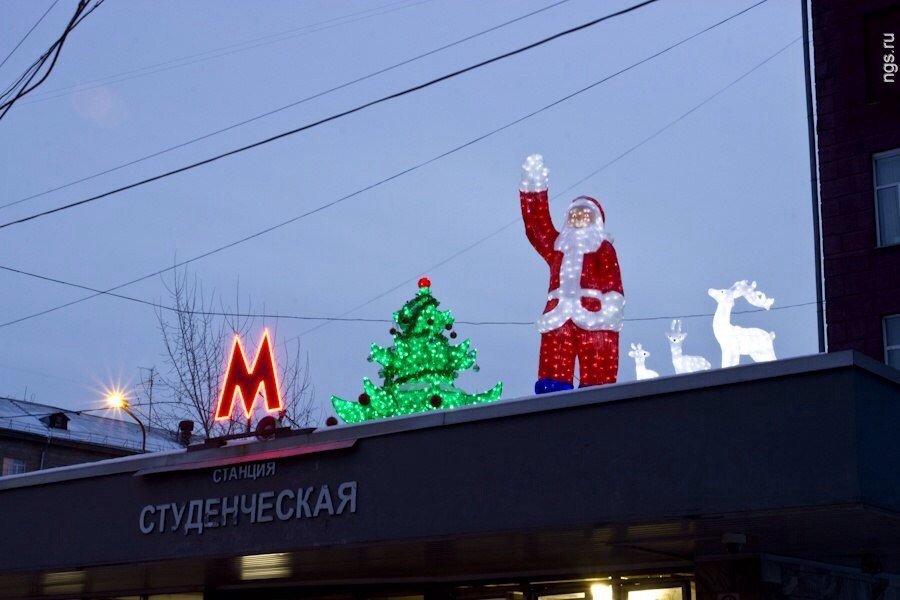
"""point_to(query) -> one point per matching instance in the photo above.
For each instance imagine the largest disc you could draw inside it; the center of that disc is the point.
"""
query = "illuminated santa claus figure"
(585, 304)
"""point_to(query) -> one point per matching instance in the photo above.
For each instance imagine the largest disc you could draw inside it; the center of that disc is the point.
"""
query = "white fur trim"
(574, 244)
(609, 318)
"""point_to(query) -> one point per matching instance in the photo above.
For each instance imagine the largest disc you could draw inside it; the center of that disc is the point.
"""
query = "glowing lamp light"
(116, 399)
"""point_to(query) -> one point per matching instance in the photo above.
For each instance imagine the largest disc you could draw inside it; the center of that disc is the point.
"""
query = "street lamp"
(116, 399)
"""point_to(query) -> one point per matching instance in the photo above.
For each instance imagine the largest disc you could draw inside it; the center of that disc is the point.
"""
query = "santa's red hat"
(591, 203)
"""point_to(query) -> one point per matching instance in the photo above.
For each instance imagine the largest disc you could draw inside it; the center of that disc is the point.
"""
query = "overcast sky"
(721, 195)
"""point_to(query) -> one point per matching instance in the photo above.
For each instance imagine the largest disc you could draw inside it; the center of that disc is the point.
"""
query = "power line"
(222, 51)
(340, 115)
(320, 208)
(287, 106)
(35, 67)
(24, 85)
(27, 33)
(342, 318)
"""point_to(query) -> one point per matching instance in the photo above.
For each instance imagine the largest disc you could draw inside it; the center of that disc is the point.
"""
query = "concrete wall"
(862, 282)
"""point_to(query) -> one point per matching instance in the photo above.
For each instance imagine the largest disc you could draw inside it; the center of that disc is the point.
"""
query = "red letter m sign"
(249, 381)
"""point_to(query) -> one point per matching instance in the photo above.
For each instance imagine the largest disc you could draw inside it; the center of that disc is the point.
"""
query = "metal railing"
(89, 437)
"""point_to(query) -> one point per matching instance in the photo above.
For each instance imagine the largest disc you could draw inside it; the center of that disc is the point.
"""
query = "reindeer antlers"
(752, 295)
(676, 326)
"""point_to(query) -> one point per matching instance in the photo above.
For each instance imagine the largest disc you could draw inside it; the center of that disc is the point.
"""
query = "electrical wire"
(81, 12)
(277, 316)
(222, 51)
(286, 106)
(24, 85)
(27, 33)
(360, 191)
(342, 114)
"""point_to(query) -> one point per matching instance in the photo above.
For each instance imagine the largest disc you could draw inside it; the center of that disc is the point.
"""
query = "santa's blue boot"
(546, 385)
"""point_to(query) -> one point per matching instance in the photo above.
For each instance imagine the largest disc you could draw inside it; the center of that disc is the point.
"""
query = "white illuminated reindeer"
(738, 341)
(683, 363)
(640, 357)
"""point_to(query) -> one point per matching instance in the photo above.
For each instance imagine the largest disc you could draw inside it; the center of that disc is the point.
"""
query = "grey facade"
(38, 452)
(799, 459)
(38, 436)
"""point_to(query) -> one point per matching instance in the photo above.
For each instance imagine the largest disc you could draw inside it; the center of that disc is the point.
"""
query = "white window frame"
(13, 461)
(875, 159)
(884, 337)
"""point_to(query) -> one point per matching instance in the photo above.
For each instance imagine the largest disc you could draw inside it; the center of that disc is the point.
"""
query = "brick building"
(37, 436)
(858, 105)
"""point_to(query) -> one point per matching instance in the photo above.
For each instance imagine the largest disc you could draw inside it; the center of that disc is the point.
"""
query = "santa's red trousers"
(597, 351)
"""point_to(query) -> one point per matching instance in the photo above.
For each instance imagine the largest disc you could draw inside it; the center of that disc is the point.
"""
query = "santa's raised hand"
(535, 174)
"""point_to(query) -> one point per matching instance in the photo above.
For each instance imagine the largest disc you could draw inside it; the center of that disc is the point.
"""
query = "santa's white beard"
(580, 240)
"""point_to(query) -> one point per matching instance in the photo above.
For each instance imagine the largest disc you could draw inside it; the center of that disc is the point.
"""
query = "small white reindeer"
(683, 363)
(738, 341)
(640, 357)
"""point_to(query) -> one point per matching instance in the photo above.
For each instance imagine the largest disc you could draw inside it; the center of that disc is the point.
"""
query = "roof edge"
(494, 410)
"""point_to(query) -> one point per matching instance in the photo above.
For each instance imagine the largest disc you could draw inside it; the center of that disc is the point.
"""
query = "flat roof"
(326, 437)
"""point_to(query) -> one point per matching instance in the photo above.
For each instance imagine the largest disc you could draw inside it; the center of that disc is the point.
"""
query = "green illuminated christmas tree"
(419, 370)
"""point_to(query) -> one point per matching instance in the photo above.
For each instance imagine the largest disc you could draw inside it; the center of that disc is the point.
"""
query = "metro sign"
(261, 378)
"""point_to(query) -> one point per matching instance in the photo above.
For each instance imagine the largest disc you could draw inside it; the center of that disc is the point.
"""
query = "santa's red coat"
(600, 269)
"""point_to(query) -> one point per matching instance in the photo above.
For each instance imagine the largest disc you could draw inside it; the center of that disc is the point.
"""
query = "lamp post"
(116, 399)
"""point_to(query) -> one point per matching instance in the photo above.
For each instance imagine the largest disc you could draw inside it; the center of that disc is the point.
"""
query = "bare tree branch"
(196, 347)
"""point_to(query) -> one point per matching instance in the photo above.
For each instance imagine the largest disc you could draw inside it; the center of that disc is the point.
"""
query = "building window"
(887, 197)
(892, 341)
(13, 466)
